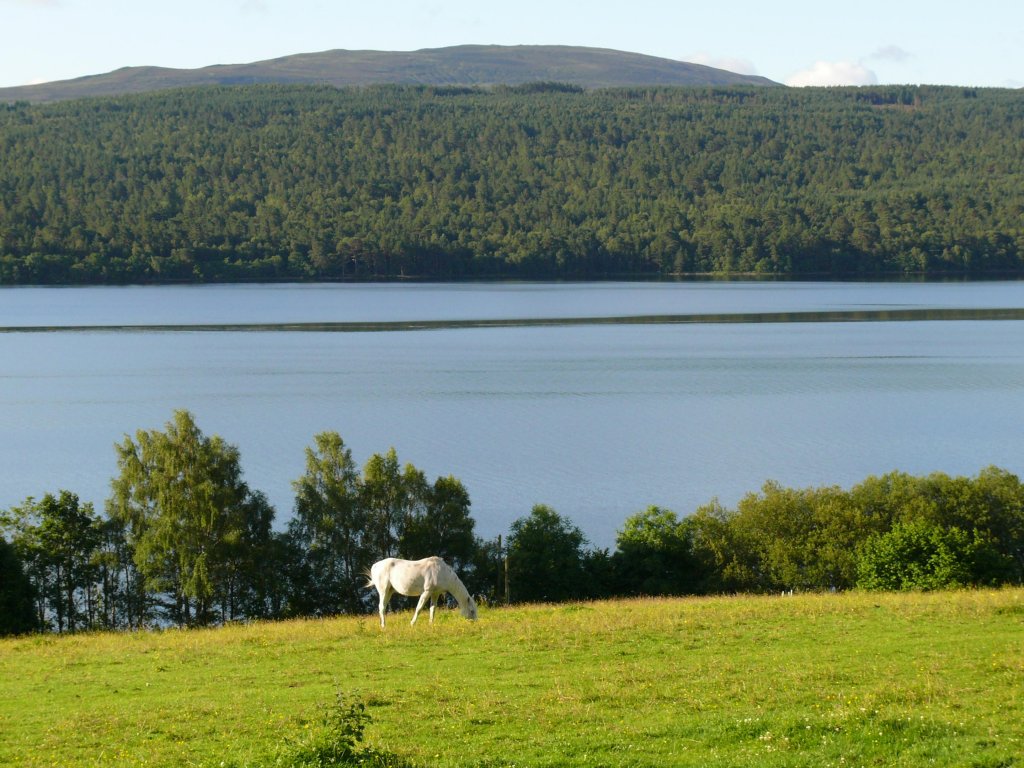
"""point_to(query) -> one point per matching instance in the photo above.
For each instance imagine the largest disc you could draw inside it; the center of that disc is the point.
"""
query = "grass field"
(811, 680)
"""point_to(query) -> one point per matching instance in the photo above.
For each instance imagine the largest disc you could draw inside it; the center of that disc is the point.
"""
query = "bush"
(333, 740)
(922, 555)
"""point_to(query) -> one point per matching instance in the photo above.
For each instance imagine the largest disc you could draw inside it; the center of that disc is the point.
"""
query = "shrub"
(919, 554)
(333, 739)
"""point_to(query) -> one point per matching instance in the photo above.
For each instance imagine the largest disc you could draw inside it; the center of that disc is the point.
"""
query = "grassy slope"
(812, 680)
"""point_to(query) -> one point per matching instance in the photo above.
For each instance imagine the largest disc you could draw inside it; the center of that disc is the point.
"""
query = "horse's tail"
(382, 569)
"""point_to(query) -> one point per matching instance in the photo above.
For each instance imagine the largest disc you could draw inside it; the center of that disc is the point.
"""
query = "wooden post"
(497, 581)
(507, 592)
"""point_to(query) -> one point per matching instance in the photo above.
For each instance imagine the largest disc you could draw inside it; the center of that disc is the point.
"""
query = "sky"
(797, 42)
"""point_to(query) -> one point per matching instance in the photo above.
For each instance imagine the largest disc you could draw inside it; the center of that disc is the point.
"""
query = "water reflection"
(832, 316)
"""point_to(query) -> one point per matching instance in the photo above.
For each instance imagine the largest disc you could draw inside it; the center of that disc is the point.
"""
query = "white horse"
(429, 578)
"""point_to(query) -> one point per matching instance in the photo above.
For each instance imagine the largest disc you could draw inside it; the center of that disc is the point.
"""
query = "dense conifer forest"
(535, 181)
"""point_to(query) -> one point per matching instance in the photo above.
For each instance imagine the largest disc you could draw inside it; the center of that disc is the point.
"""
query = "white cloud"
(833, 73)
(729, 63)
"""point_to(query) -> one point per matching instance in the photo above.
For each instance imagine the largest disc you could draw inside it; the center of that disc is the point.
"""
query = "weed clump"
(334, 738)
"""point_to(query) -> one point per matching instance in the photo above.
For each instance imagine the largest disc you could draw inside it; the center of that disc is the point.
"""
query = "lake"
(596, 418)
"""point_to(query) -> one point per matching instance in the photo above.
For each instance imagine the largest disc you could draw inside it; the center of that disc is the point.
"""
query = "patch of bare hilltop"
(463, 65)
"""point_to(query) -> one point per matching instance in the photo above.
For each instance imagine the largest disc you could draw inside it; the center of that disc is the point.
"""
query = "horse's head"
(468, 608)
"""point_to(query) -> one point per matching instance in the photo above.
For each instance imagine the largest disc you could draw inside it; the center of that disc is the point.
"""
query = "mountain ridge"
(462, 65)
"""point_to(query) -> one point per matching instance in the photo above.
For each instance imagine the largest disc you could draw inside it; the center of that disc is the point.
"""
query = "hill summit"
(463, 65)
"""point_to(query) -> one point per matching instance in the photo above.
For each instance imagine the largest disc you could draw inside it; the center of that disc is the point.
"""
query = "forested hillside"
(275, 183)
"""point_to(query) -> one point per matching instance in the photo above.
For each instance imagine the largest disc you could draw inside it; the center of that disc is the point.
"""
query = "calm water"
(597, 421)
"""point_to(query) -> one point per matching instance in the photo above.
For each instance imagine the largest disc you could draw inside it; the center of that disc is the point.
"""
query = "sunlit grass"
(850, 679)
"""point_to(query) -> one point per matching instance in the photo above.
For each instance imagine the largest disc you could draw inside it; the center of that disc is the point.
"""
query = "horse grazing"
(429, 578)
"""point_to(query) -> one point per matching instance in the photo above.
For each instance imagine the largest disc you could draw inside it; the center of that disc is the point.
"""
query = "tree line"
(318, 183)
(184, 541)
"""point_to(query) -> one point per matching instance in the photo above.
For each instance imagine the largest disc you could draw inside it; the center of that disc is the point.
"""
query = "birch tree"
(184, 505)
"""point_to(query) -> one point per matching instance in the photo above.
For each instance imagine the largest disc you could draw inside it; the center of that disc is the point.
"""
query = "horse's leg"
(433, 605)
(385, 596)
(419, 605)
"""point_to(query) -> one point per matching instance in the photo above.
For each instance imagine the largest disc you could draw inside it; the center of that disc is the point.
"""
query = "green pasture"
(811, 680)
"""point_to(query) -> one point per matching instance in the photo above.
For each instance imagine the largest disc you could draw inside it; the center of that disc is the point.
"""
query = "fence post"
(497, 580)
(508, 598)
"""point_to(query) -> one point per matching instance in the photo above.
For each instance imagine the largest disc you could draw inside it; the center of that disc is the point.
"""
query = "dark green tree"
(392, 497)
(186, 513)
(17, 606)
(57, 538)
(443, 526)
(547, 557)
(485, 572)
(726, 558)
(124, 603)
(328, 532)
(801, 538)
(252, 567)
(346, 520)
(653, 555)
(1001, 494)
